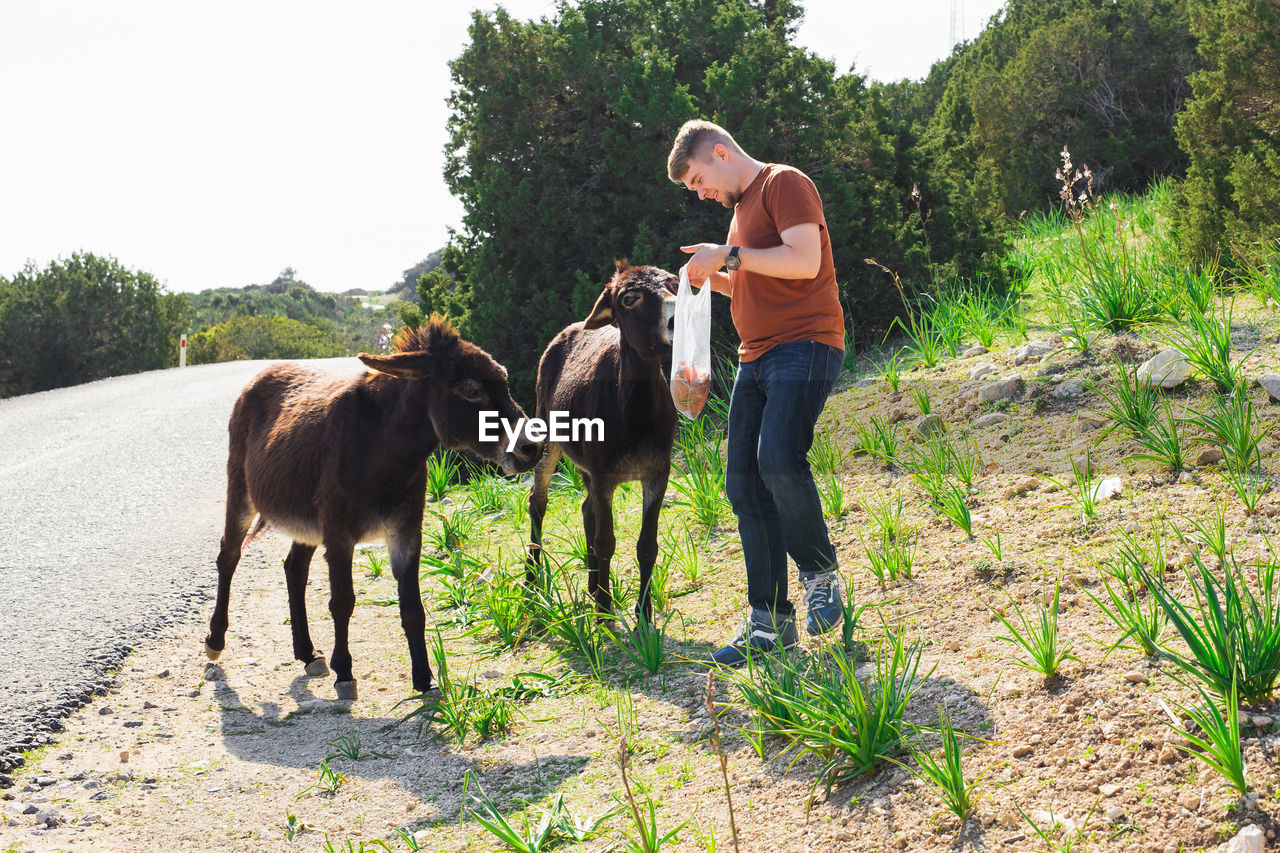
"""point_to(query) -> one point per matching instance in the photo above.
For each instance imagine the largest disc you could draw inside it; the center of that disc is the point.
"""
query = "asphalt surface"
(111, 502)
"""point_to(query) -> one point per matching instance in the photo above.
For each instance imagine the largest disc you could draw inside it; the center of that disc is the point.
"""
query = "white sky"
(214, 144)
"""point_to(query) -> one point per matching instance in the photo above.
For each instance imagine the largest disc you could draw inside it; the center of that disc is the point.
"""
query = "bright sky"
(214, 144)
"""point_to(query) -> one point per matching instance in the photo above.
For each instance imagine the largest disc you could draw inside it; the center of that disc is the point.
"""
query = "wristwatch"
(732, 262)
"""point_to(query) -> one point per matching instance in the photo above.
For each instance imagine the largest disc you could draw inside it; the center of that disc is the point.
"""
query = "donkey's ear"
(602, 313)
(407, 365)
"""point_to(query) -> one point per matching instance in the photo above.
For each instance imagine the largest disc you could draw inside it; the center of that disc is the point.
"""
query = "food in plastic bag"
(690, 387)
(691, 348)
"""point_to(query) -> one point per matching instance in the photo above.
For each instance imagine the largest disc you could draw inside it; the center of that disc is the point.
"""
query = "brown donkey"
(610, 367)
(334, 462)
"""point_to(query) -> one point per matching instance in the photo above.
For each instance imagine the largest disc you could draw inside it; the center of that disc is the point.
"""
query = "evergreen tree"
(1231, 132)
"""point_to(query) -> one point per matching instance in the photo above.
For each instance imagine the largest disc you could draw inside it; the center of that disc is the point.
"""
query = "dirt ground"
(186, 755)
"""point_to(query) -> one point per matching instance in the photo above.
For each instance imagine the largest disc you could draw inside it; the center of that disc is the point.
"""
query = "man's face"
(710, 177)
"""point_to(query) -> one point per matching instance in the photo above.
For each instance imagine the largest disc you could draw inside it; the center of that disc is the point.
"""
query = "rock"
(1135, 677)
(164, 673)
(869, 382)
(1251, 839)
(1089, 421)
(1168, 368)
(980, 350)
(313, 706)
(1069, 388)
(1209, 456)
(1110, 790)
(1189, 800)
(106, 710)
(1108, 488)
(1001, 389)
(1261, 722)
(1169, 755)
(1270, 383)
(1035, 349)
(929, 426)
(1022, 751)
(1114, 815)
(49, 818)
(982, 369)
(990, 420)
(1026, 484)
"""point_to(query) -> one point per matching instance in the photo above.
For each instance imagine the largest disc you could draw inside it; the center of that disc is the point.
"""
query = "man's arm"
(799, 256)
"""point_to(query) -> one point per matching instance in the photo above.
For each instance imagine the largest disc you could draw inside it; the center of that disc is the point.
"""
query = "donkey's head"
(459, 382)
(641, 302)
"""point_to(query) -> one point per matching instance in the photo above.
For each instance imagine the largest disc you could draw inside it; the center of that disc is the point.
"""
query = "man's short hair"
(693, 141)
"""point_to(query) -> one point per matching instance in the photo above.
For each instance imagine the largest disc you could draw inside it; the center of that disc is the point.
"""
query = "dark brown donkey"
(610, 367)
(334, 462)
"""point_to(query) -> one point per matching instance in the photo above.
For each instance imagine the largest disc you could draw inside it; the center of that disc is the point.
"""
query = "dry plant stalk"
(724, 759)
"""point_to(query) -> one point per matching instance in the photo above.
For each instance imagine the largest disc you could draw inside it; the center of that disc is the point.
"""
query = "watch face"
(733, 261)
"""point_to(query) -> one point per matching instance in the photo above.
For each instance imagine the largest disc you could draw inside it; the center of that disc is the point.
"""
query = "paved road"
(111, 501)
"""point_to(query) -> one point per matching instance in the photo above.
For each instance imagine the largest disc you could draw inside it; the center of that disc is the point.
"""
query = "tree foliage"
(249, 337)
(84, 318)
(1231, 131)
(560, 130)
(1104, 78)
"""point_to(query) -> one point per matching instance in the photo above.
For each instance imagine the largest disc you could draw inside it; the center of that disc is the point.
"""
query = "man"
(786, 309)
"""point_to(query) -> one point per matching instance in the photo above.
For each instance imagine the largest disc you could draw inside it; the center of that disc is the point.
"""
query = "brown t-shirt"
(768, 311)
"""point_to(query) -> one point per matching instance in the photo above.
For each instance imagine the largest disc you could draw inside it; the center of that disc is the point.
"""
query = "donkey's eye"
(630, 300)
(470, 391)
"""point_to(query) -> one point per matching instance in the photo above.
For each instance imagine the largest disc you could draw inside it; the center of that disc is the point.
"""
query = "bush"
(81, 319)
(263, 337)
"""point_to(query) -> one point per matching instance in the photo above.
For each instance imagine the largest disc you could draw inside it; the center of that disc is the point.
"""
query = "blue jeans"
(776, 402)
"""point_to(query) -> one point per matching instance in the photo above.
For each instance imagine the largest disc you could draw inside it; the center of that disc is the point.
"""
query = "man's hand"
(707, 259)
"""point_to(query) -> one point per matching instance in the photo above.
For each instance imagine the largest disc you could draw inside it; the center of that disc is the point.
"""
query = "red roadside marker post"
(182, 352)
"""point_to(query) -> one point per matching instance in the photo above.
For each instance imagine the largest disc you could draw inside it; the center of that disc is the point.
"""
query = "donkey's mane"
(434, 335)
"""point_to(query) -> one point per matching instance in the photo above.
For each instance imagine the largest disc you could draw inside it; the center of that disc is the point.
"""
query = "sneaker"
(756, 638)
(822, 600)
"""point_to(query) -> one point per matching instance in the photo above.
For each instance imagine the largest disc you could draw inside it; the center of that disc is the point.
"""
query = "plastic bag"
(691, 348)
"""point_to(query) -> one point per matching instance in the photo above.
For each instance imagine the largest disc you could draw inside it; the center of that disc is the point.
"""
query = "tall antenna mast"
(957, 22)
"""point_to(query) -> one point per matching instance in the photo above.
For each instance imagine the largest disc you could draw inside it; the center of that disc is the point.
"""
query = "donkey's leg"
(405, 546)
(655, 488)
(600, 547)
(296, 568)
(542, 474)
(239, 514)
(342, 602)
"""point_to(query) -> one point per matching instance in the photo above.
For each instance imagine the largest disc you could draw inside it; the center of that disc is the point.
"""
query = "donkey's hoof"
(345, 689)
(210, 652)
(318, 667)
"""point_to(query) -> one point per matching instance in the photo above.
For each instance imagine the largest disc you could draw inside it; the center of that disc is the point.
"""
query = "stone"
(1251, 839)
(1108, 488)
(1110, 790)
(1270, 383)
(1261, 722)
(1114, 815)
(982, 370)
(1135, 677)
(1035, 349)
(990, 420)
(928, 426)
(1189, 800)
(1168, 368)
(1022, 751)
(1067, 389)
(869, 382)
(106, 710)
(981, 350)
(1209, 456)
(1169, 755)
(1001, 389)
(1026, 484)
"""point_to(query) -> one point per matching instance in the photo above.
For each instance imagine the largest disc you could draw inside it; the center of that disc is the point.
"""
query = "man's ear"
(409, 365)
(720, 151)
(602, 313)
